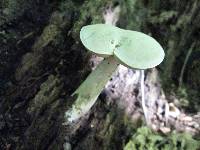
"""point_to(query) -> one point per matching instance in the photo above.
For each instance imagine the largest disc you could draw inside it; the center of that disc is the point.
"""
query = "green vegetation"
(144, 138)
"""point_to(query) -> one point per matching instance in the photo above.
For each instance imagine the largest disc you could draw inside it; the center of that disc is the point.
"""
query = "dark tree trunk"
(42, 62)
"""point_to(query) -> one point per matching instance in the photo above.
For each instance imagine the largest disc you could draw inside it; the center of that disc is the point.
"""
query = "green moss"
(194, 103)
(52, 34)
(182, 94)
(117, 128)
(52, 31)
(163, 17)
(146, 139)
(11, 9)
(90, 12)
(194, 74)
(49, 92)
(188, 98)
(48, 35)
(134, 14)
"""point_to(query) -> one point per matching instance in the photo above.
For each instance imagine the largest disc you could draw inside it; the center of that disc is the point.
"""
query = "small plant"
(130, 48)
(144, 138)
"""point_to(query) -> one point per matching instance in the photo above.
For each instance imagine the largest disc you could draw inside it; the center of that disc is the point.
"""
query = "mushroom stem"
(89, 90)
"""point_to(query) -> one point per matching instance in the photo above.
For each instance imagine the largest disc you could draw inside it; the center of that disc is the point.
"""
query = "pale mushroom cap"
(99, 38)
(134, 49)
(139, 50)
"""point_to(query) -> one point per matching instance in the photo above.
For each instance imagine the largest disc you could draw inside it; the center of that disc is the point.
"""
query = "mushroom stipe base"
(90, 89)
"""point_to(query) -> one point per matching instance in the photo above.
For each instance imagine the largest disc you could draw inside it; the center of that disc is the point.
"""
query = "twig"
(184, 64)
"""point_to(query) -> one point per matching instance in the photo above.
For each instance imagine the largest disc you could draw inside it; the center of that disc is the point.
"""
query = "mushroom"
(118, 46)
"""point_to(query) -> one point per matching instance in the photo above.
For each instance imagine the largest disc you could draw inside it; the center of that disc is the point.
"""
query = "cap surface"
(100, 38)
(138, 50)
(134, 49)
